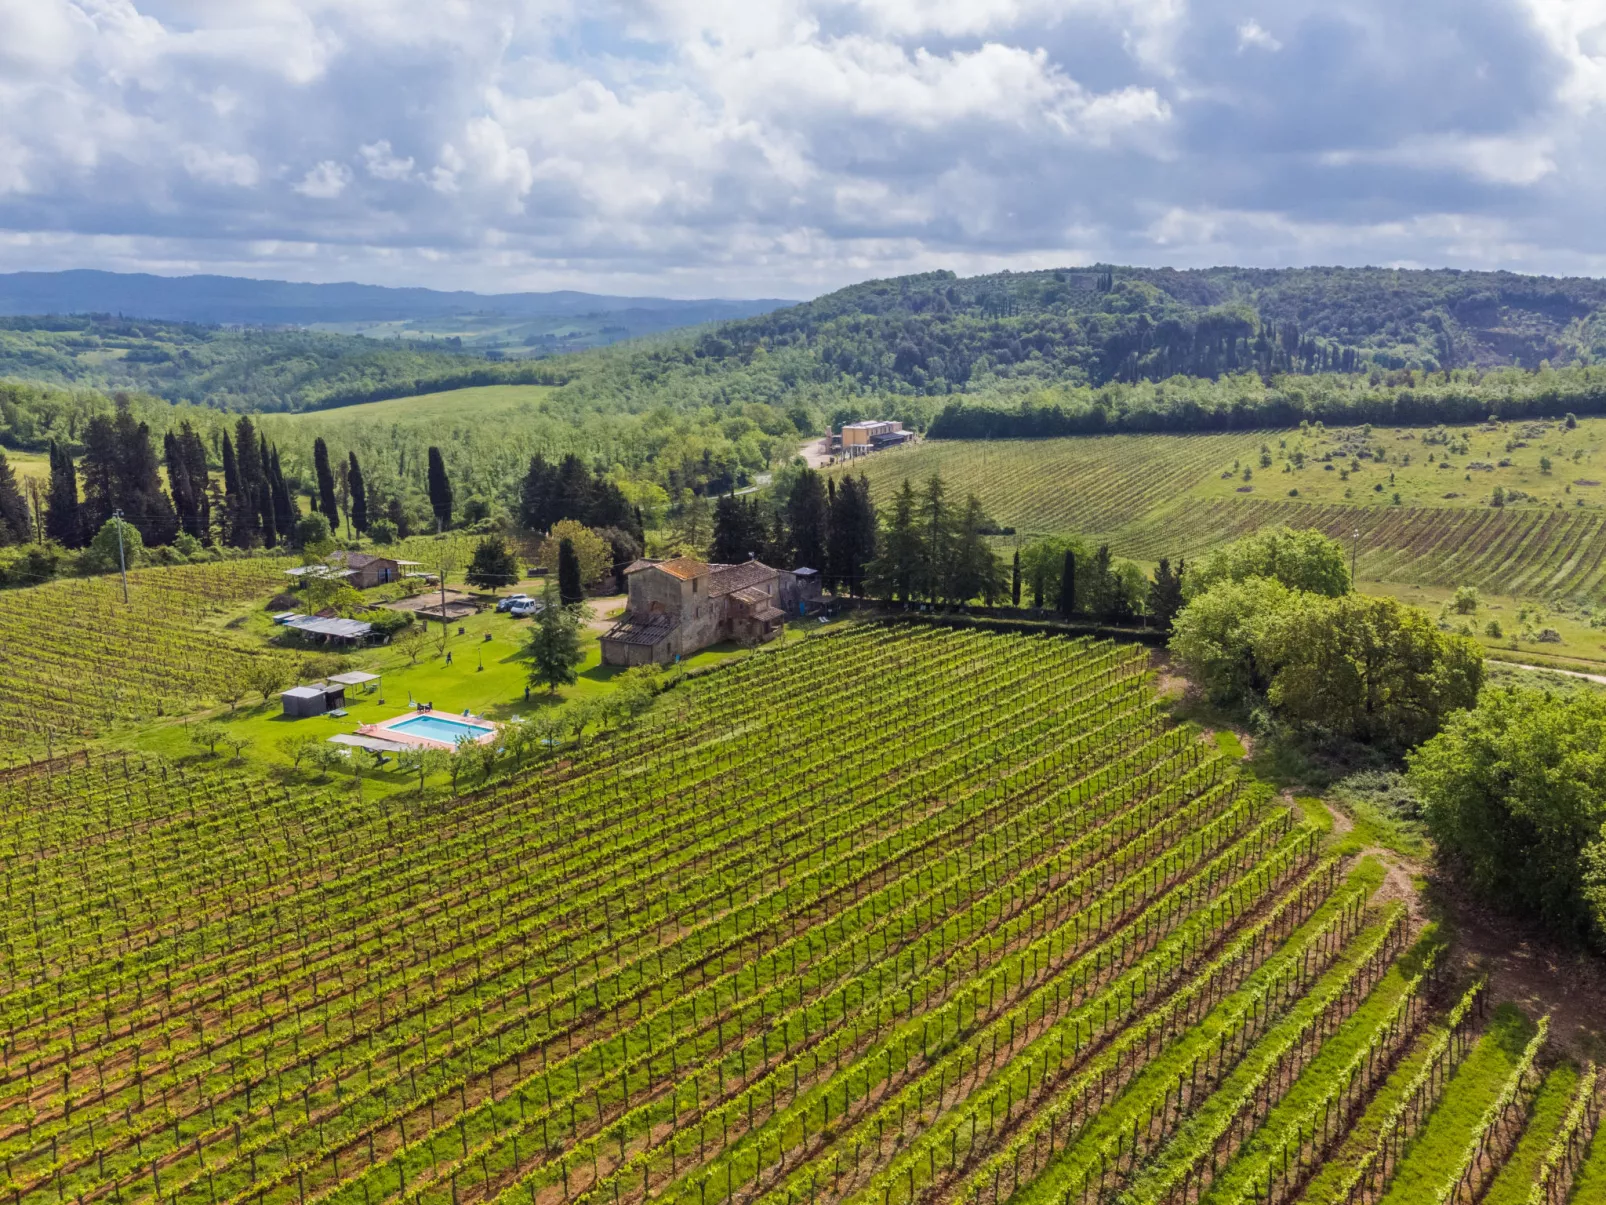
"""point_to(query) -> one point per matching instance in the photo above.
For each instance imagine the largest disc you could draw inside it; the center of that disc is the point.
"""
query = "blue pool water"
(437, 728)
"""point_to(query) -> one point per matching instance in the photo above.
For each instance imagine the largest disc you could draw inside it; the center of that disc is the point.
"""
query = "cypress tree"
(569, 588)
(16, 526)
(806, 521)
(178, 480)
(440, 490)
(285, 511)
(193, 454)
(62, 520)
(270, 516)
(326, 483)
(1014, 580)
(262, 505)
(359, 497)
(1165, 593)
(1068, 584)
(239, 529)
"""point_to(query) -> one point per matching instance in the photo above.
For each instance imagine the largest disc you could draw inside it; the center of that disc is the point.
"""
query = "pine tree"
(359, 497)
(326, 483)
(555, 650)
(1068, 584)
(16, 526)
(63, 522)
(440, 490)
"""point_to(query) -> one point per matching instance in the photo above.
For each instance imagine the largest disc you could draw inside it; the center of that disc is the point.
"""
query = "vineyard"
(972, 923)
(75, 660)
(1163, 495)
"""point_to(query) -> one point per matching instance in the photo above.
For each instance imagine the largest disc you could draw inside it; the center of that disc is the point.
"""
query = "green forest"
(244, 369)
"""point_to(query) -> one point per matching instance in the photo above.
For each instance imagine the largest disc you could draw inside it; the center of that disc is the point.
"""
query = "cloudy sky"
(785, 147)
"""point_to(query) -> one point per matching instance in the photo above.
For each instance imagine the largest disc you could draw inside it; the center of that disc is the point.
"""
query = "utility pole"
(1354, 545)
(122, 563)
(444, 629)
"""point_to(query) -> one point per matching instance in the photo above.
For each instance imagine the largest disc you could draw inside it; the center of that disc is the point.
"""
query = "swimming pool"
(438, 728)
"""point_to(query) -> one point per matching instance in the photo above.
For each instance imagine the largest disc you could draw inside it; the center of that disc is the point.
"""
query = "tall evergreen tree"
(1014, 580)
(239, 515)
(286, 514)
(359, 496)
(570, 591)
(327, 505)
(122, 472)
(192, 452)
(851, 545)
(1165, 593)
(975, 571)
(244, 503)
(738, 531)
(440, 490)
(939, 536)
(62, 520)
(262, 503)
(898, 570)
(185, 503)
(16, 525)
(270, 494)
(538, 495)
(806, 521)
(1068, 584)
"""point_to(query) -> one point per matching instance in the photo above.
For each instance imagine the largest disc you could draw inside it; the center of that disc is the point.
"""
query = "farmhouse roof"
(752, 596)
(684, 567)
(640, 563)
(727, 579)
(642, 629)
(361, 560)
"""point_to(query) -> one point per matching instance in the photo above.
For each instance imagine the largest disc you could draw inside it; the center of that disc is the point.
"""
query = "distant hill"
(521, 323)
(937, 333)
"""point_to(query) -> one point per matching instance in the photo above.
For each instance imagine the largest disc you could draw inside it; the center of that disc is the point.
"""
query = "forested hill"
(244, 369)
(937, 334)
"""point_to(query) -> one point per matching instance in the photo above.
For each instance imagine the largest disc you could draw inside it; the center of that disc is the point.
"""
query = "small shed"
(320, 698)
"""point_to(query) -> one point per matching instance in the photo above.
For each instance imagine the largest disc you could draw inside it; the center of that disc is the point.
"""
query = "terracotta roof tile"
(684, 567)
(727, 579)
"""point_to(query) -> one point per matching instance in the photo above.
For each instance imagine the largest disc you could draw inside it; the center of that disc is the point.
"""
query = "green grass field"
(481, 402)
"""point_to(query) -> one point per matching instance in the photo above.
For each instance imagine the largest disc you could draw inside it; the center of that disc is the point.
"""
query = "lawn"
(487, 676)
(484, 401)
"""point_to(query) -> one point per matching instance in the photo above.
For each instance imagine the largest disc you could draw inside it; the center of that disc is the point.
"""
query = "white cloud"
(326, 181)
(724, 146)
(383, 163)
(1253, 35)
(219, 167)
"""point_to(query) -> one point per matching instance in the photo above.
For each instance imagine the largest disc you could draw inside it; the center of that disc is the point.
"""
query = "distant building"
(678, 607)
(858, 439)
(358, 569)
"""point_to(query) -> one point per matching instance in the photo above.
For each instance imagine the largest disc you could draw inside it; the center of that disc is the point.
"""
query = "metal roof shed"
(317, 699)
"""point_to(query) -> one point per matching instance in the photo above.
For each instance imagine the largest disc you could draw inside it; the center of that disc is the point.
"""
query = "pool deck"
(385, 730)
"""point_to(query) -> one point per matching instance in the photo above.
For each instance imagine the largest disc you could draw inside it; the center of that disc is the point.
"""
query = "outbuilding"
(320, 698)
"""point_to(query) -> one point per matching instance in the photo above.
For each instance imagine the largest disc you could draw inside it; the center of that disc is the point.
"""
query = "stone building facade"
(678, 607)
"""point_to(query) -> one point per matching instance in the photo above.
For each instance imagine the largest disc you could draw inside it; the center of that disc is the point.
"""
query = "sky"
(782, 148)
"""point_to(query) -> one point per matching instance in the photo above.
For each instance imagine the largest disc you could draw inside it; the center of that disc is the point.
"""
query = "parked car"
(512, 600)
(526, 607)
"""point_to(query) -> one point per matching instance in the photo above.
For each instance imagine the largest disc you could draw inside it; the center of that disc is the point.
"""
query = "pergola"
(369, 682)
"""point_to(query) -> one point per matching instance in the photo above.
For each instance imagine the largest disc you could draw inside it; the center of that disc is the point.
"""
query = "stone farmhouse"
(678, 607)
